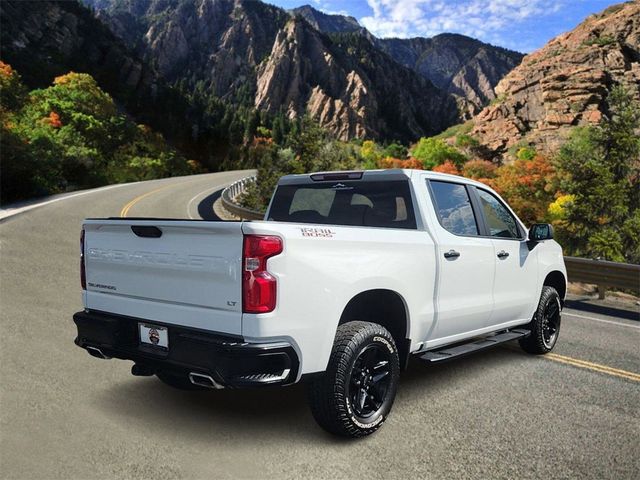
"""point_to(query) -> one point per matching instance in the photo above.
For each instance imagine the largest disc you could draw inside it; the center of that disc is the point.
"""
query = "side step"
(448, 353)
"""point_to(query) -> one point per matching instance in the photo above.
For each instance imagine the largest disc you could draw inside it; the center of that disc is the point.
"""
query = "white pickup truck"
(349, 275)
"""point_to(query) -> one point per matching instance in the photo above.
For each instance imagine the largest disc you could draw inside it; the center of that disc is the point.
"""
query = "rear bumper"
(229, 360)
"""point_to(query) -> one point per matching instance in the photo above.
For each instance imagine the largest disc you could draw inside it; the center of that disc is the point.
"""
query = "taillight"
(83, 275)
(258, 285)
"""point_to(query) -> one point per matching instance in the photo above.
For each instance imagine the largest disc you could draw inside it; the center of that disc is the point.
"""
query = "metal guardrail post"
(229, 200)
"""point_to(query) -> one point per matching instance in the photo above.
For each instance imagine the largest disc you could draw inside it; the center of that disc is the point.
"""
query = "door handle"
(503, 254)
(451, 254)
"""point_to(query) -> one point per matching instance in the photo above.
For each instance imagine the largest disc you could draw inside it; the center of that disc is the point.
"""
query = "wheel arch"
(557, 280)
(386, 308)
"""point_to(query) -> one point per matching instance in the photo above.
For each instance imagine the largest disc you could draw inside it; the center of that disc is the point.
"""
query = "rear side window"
(384, 204)
(454, 208)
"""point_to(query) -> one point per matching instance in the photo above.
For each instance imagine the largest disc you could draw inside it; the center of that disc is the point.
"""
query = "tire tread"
(327, 392)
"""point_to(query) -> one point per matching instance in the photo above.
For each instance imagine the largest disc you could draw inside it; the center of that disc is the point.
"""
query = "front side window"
(454, 208)
(499, 220)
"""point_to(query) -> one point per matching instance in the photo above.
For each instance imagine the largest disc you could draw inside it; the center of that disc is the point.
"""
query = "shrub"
(433, 151)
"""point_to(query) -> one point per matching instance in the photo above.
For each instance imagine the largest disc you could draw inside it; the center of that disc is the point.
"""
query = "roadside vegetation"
(72, 135)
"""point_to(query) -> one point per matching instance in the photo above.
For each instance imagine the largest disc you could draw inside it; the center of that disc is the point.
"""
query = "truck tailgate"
(170, 271)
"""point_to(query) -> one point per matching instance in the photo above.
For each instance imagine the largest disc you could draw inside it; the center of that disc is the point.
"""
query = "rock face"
(218, 42)
(328, 23)
(45, 39)
(306, 71)
(457, 64)
(254, 54)
(565, 83)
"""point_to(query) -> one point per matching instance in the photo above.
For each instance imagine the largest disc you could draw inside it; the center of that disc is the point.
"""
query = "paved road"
(499, 414)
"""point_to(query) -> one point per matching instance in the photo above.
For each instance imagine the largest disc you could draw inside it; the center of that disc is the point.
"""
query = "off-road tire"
(540, 341)
(180, 383)
(331, 394)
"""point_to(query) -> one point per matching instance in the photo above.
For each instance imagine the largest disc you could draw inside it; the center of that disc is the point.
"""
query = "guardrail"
(231, 193)
(603, 274)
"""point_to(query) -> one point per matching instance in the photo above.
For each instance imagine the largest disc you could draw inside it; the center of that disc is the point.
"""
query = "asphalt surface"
(498, 414)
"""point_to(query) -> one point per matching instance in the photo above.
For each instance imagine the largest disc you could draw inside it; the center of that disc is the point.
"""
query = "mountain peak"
(327, 22)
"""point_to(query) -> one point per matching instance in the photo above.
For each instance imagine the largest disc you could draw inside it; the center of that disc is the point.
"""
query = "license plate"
(154, 335)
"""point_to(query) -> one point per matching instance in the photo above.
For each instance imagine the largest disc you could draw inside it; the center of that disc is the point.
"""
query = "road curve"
(499, 414)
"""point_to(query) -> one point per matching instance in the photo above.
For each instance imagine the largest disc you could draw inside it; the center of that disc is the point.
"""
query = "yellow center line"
(127, 207)
(596, 367)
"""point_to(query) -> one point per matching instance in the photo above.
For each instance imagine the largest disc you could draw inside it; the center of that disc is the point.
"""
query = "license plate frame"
(154, 336)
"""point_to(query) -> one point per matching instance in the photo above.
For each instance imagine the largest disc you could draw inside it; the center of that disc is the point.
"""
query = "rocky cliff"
(459, 65)
(565, 83)
(327, 23)
(349, 86)
(258, 55)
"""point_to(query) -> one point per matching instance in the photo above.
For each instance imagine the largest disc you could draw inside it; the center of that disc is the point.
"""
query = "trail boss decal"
(317, 232)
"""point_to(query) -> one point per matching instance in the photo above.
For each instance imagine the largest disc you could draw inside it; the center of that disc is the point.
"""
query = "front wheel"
(355, 395)
(545, 326)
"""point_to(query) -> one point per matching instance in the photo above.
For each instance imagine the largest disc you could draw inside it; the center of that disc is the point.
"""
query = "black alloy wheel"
(551, 323)
(369, 381)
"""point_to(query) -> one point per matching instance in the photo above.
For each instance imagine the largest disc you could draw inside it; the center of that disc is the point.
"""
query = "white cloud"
(487, 20)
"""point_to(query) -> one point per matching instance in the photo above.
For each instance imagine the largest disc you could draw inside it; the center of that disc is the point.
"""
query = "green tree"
(395, 150)
(433, 151)
(371, 154)
(71, 135)
(600, 168)
(279, 130)
(253, 121)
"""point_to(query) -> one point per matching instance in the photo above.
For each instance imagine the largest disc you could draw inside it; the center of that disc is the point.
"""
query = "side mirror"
(540, 231)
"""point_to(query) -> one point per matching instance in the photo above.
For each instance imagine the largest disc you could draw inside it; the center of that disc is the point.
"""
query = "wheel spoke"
(379, 376)
(380, 364)
(374, 402)
(362, 398)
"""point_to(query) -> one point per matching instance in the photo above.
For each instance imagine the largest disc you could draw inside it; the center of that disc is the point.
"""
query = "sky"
(522, 25)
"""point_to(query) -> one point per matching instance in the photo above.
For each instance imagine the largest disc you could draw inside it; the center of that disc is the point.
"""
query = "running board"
(448, 353)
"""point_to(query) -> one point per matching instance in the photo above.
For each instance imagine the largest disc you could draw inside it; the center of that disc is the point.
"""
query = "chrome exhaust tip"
(203, 380)
(96, 352)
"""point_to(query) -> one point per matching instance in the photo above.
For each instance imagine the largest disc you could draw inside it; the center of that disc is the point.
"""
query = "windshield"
(366, 204)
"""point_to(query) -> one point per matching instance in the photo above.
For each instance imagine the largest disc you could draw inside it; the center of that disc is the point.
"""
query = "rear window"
(365, 204)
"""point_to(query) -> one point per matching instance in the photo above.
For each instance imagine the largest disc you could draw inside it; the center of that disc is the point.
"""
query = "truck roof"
(380, 174)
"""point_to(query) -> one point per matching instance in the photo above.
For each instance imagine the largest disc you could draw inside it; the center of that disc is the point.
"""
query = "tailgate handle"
(146, 231)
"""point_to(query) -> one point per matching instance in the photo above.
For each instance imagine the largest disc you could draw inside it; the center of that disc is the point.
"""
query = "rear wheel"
(355, 395)
(545, 326)
(175, 381)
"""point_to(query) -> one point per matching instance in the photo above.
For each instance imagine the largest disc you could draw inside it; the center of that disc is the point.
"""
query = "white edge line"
(10, 212)
(602, 320)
